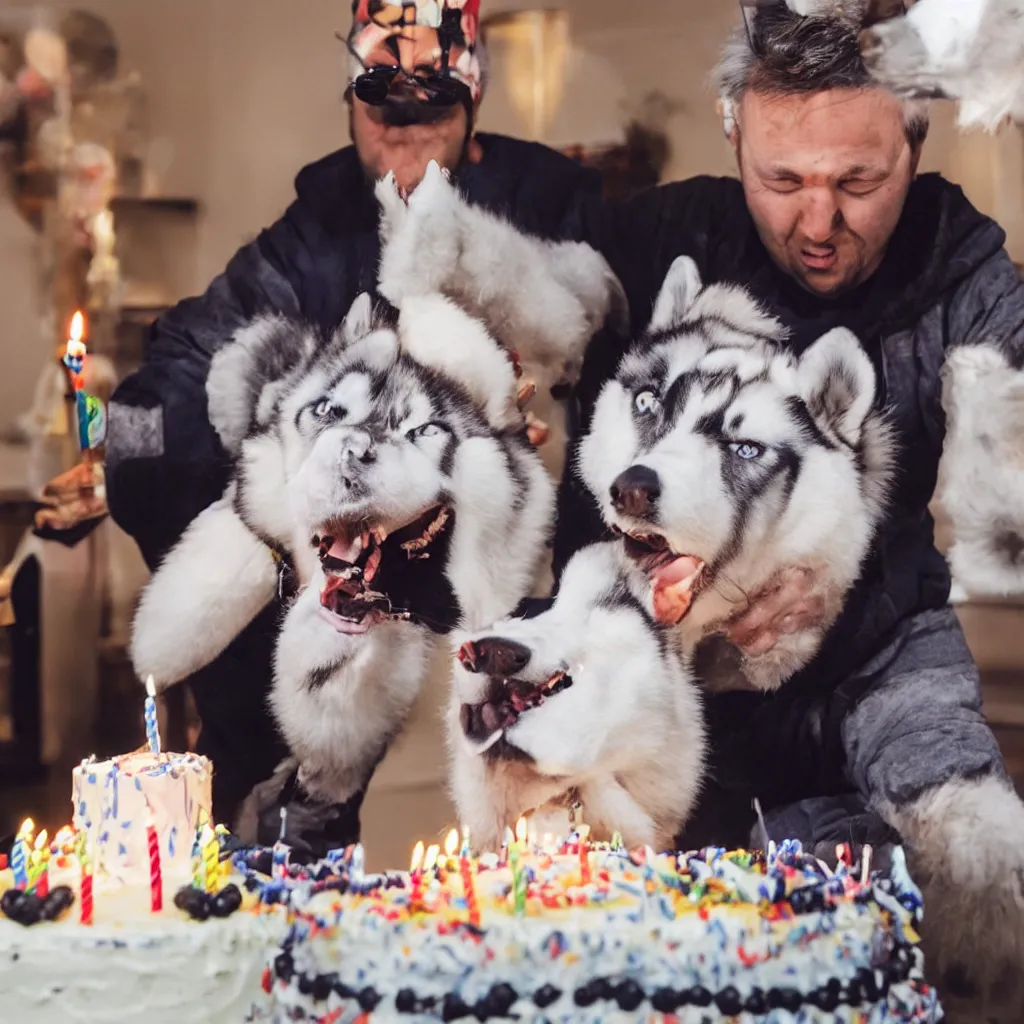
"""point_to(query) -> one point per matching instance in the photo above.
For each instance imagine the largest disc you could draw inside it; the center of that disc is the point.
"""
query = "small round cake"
(116, 801)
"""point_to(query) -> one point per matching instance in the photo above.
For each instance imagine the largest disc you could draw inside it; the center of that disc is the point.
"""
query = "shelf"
(168, 204)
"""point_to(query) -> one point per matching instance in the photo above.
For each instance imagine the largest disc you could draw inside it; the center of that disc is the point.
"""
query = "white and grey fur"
(625, 738)
(767, 462)
(708, 376)
(971, 51)
(981, 480)
(546, 299)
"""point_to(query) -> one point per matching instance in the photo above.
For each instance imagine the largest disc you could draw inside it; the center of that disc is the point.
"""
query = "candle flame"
(417, 857)
(521, 830)
(430, 861)
(150, 687)
(28, 826)
(41, 840)
(77, 326)
(451, 844)
(64, 836)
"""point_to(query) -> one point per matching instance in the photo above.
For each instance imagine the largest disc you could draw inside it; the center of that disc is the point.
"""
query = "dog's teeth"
(488, 743)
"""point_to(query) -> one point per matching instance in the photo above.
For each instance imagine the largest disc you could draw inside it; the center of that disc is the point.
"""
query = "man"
(417, 80)
(829, 226)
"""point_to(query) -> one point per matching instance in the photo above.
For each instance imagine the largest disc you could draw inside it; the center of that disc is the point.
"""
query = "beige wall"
(247, 91)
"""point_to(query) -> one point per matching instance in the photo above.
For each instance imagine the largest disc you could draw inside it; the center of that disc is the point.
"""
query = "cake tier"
(161, 969)
(114, 801)
(701, 941)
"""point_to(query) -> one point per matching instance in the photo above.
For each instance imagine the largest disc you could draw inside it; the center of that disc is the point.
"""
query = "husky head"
(546, 711)
(361, 453)
(725, 461)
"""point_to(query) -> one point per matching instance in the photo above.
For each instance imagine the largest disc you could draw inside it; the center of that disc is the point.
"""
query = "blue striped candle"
(152, 728)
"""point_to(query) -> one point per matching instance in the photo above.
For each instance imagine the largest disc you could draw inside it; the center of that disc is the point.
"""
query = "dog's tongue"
(673, 585)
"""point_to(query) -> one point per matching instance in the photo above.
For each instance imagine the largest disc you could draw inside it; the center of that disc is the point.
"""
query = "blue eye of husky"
(647, 403)
(746, 449)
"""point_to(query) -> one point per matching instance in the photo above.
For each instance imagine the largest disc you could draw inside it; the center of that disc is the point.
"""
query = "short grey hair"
(785, 53)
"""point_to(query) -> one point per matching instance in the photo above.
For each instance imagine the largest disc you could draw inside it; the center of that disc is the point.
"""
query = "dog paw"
(420, 237)
(965, 847)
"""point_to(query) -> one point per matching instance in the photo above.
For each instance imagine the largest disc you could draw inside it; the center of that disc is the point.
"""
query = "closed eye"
(432, 429)
(747, 450)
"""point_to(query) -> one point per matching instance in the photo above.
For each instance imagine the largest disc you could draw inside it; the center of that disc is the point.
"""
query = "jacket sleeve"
(982, 479)
(916, 721)
(164, 461)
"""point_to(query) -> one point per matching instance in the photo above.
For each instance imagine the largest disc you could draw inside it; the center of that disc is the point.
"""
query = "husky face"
(725, 460)
(546, 711)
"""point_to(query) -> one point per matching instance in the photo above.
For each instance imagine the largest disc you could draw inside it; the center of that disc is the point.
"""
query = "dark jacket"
(946, 281)
(165, 463)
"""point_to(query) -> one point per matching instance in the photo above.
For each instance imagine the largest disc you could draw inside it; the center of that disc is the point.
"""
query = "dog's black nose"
(635, 492)
(494, 656)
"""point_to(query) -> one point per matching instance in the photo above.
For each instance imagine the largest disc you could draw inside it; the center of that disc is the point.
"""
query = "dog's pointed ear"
(261, 354)
(837, 381)
(359, 321)
(678, 293)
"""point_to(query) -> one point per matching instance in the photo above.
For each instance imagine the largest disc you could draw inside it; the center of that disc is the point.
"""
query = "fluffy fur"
(967, 50)
(965, 845)
(754, 462)
(982, 479)
(581, 744)
(549, 298)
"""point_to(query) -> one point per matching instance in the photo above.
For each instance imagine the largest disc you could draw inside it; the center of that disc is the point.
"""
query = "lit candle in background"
(156, 884)
(451, 846)
(19, 853)
(152, 726)
(74, 360)
(467, 869)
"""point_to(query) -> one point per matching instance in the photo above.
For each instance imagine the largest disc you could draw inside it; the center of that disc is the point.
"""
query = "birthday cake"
(142, 912)
(564, 935)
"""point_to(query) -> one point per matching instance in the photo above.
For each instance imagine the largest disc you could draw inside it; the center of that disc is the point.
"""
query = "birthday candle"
(584, 855)
(39, 860)
(211, 858)
(85, 886)
(416, 879)
(280, 851)
(156, 884)
(19, 853)
(152, 726)
(468, 869)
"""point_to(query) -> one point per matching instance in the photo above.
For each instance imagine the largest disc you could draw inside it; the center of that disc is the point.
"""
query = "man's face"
(825, 176)
(402, 148)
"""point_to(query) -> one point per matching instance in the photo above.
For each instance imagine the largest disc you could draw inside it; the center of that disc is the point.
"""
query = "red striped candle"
(156, 884)
(85, 894)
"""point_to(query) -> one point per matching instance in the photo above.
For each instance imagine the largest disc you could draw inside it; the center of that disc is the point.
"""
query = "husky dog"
(966, 50)
(731, 468)
(587, 702)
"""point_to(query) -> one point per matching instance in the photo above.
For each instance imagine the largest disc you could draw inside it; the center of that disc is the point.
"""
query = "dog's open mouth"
(351, 557)
(676, 579)
(485, 724)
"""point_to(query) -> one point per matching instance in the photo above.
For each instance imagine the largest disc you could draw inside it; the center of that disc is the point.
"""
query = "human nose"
(821, 216)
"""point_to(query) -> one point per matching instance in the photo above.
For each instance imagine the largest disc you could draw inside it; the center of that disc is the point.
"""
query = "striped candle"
(152, 726)
(19, 853)
(156, 882)
(85, 884)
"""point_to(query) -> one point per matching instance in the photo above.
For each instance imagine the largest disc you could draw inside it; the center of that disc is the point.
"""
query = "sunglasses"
(877, 10)
(438, 88)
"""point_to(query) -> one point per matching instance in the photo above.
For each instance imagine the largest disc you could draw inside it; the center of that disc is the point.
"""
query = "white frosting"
(158, 970)
(112, 801)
